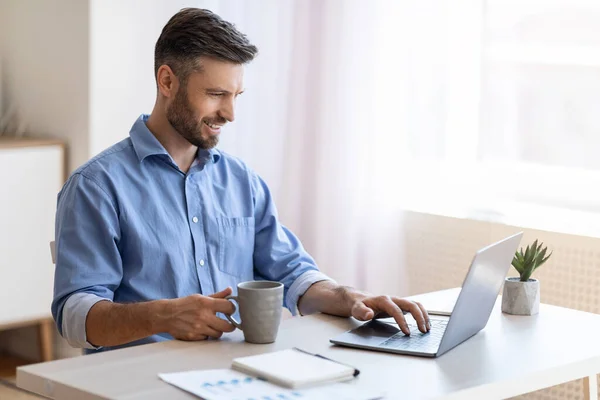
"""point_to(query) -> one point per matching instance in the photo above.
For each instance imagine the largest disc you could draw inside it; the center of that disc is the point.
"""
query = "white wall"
(45, 67)
(83, 70)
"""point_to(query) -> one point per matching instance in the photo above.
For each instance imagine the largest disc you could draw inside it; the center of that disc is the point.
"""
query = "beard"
(181, 117)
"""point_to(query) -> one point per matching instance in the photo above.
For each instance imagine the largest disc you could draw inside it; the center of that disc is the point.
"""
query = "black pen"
(356, 371)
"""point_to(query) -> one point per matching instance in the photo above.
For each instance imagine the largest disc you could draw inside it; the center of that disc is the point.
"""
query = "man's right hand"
(194, 317)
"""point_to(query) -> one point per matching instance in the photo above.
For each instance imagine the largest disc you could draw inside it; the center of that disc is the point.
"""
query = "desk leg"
(45, 339)
(590, 388)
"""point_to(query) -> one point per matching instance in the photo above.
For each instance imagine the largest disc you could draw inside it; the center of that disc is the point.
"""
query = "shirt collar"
(146, 144)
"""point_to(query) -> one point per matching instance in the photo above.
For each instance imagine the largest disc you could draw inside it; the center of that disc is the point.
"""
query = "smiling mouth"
(212, 126)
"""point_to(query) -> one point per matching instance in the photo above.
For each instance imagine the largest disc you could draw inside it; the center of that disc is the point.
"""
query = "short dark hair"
(193, 33)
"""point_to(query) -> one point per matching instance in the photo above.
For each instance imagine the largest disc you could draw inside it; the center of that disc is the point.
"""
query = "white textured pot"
(521, 298)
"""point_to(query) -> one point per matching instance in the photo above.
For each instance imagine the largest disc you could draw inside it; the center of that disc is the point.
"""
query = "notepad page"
(293, 368)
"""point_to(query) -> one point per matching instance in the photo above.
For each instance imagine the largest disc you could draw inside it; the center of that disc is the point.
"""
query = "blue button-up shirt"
(132, 227)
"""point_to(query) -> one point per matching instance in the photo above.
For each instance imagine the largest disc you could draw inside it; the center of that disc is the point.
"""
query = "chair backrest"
(53, 252)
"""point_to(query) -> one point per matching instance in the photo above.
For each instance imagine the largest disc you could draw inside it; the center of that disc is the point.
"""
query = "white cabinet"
(31, 174)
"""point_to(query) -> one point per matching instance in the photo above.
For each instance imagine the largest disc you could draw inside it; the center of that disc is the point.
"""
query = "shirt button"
(195, 219)
(201, 263)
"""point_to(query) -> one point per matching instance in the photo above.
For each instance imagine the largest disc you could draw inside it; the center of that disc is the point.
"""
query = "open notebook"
(294, 368)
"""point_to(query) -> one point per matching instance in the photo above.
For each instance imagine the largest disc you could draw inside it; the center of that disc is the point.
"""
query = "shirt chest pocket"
(236, 246)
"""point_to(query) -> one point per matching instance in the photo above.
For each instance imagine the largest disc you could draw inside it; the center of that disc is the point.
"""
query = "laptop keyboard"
(418, 341)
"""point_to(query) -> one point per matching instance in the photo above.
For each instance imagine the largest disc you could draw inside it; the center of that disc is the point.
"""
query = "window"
(512, 110)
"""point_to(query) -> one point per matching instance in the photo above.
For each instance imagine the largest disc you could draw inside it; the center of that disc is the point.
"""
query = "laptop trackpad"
(371, 333)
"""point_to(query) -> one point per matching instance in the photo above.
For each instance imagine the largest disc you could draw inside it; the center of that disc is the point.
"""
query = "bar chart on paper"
(226, 384)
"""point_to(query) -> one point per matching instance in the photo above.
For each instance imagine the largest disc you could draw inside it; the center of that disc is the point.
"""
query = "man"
(153, 233)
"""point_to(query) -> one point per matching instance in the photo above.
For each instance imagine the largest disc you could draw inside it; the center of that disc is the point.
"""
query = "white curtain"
(357, 110)
(323, 121)
(343, 95)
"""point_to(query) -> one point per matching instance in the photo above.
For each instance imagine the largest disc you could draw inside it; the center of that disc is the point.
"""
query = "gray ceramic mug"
(260, 304)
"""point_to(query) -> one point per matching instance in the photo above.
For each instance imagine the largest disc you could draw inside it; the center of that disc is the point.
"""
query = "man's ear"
(167, 82)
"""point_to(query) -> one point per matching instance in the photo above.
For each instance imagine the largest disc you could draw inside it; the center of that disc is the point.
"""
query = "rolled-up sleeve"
(74, 315)
(278, 253)
(88, 263)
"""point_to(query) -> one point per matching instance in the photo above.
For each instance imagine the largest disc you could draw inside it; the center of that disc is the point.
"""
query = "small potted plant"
(521, 295)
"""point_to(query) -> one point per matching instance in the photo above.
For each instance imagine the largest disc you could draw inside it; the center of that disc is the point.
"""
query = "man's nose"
(227, 110)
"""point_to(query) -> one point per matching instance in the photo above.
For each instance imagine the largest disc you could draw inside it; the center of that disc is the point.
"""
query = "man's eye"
(216, 94)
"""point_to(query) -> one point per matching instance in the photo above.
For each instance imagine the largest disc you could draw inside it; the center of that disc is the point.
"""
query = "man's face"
(206, 103)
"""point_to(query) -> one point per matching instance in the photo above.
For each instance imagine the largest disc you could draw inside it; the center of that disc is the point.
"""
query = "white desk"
(511, 356)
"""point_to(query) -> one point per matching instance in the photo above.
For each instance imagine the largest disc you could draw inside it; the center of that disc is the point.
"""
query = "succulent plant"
(530, 260)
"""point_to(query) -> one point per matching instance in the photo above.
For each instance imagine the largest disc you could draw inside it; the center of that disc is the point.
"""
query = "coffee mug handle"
(231, 319)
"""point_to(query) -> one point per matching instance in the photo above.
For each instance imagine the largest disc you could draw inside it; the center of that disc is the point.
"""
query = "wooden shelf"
(7, 142)
(22, 324)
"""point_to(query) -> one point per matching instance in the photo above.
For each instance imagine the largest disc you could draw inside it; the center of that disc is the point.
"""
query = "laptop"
(471, 312)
